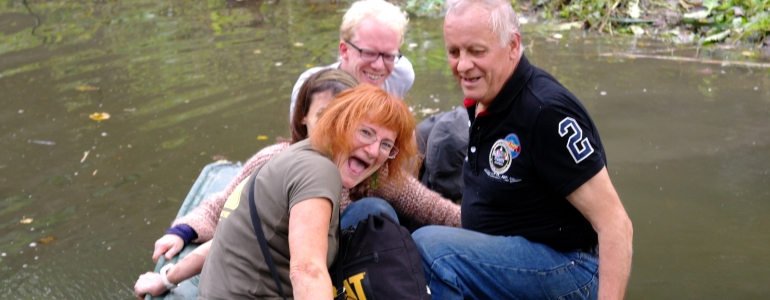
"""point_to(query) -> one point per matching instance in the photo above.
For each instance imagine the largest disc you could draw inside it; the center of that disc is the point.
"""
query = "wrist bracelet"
(168, 284)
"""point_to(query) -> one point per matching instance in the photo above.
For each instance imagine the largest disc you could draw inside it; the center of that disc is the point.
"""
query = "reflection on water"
(187, 81)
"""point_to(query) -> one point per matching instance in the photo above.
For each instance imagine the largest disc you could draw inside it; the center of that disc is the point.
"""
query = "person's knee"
(429, 239)
(374, 202)
(422, 234)
(361, 209)
(376, 206)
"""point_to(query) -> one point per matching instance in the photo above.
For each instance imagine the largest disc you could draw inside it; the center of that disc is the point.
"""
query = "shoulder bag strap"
(341, 293)
(257, 222)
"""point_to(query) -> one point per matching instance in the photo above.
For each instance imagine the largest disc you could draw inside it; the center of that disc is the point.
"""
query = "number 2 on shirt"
(577, 145)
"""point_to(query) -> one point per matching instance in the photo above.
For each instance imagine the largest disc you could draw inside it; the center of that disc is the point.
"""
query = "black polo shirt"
(533, 146)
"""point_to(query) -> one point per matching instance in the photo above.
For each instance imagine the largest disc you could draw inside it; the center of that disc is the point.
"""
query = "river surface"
(189, 82)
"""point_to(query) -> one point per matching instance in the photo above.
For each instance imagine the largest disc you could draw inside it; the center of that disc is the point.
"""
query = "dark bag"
(443, 142)
(378, 261)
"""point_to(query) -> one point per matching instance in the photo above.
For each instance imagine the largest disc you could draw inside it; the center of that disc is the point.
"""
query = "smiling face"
(318, 102)
(478, 62)
(370, 35)
(364, 159)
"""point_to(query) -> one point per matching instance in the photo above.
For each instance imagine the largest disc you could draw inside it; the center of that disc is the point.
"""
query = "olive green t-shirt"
(235, 267)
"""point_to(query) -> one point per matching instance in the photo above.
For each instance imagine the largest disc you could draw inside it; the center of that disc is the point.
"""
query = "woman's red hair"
(334, 133)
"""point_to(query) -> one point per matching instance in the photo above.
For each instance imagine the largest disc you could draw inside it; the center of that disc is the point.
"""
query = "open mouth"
(357, 166)
(471, 79)
(372, 76)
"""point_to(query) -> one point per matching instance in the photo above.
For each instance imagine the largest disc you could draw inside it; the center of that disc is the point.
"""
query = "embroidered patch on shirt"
(513, 145)
(500, 157)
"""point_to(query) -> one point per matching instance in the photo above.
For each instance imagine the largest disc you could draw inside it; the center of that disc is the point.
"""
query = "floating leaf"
(86, 88)
(257, 51)
(46, 240)
(26, 221)
(298, 44)
(748, 53)
(98, 116)
(261, 138)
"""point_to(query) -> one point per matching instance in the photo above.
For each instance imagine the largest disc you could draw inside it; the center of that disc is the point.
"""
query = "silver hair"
(502, 18)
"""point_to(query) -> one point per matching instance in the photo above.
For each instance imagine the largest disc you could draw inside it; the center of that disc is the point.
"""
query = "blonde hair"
(385, 13)
(336, 127)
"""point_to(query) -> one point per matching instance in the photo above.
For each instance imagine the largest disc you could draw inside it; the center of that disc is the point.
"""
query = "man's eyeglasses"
(367, 136)
(372, 56)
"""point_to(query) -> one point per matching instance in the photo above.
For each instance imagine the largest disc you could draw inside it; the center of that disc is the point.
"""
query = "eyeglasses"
(367, 136)
(372, 56)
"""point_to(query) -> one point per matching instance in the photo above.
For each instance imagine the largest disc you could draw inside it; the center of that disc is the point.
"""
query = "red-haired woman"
(297, 194)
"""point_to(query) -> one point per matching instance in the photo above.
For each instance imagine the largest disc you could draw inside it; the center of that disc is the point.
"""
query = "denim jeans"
(361, 209)
(464, 264)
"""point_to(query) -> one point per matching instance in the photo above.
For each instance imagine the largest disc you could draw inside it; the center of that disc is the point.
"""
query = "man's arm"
(308, 230)
(599, 203)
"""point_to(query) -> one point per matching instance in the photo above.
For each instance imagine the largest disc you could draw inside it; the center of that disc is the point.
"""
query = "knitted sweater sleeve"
(345, 200)
(204, 218)
(417, 202)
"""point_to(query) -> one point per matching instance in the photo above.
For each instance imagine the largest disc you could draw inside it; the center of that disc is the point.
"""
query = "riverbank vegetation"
(733, 22)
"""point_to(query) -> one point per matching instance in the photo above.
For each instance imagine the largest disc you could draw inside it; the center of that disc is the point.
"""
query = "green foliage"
(706, 21)
(730, 19)
(590, 11)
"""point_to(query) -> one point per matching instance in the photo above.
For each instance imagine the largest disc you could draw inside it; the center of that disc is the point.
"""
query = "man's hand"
(169, 244)
(149, 283)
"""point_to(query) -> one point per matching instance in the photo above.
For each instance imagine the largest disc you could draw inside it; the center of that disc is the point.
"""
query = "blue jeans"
(361, 209)
(464, 264)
